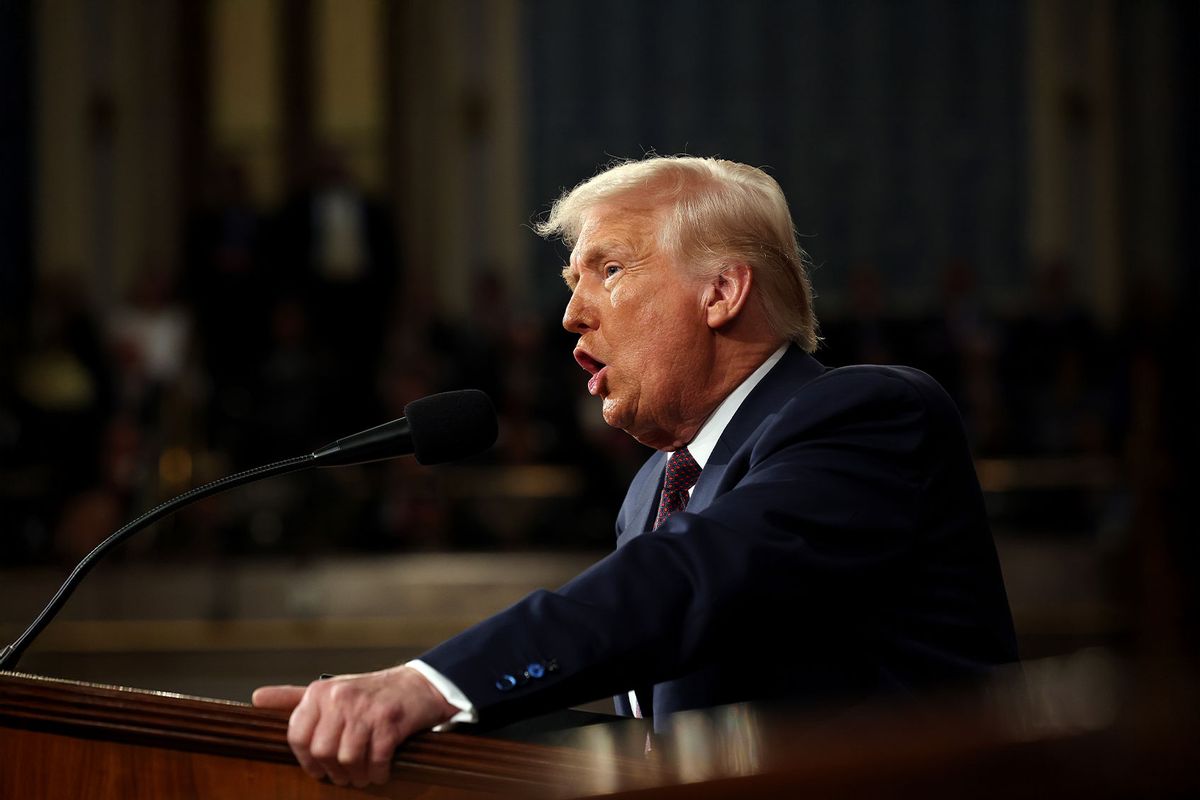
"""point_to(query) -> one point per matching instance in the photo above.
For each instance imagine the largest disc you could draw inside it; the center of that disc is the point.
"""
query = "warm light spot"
(175, 466)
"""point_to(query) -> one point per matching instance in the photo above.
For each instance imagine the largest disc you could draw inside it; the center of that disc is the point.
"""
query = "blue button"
(535, 670)
(506, 682)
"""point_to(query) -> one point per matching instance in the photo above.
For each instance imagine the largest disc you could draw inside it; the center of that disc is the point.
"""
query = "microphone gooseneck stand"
(12, 653)
(438, 428)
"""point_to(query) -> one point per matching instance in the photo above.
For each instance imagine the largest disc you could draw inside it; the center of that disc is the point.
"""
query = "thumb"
(283, 698)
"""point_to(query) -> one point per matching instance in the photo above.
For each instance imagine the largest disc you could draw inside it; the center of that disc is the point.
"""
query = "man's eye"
(611, 269)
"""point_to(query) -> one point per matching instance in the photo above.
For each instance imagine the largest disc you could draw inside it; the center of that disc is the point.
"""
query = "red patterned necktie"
(682, 473)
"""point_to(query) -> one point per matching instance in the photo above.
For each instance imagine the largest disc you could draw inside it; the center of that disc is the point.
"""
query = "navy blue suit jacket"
(834, 547)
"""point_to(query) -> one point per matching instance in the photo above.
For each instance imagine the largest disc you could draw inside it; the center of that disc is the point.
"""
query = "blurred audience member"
(869, 332)
(58, 393)
(334, 249)
(1053, 370)
(226, 283)
(961, 346)
(150, 338)
(289, 387)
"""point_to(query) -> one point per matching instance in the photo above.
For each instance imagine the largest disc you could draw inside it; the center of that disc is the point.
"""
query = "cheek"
(658, 349)
(648, 342)
(650, 313)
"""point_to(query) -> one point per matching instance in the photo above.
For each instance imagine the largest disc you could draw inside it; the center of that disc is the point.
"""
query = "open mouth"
(596, 367)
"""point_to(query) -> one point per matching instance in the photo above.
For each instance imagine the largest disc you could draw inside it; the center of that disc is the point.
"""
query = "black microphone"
(439, 428)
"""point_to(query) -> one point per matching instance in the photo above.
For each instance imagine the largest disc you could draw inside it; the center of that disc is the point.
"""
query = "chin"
(613, 413)
(650, 435)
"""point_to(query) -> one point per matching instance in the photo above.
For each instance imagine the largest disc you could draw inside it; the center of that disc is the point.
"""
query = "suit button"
(506, 682)
(535, 670)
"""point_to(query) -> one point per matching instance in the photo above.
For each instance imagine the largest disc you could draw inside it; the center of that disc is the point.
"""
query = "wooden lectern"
(66, 739)
(1059, 729)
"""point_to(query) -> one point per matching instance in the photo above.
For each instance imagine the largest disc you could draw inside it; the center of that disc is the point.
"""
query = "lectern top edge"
(172, 721)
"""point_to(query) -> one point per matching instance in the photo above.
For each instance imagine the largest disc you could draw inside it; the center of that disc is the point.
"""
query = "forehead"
(612, 229)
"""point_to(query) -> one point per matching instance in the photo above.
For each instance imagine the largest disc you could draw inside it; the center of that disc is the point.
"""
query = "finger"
(382, 748)
(300, 731)
(280, 697)
(326, 741)
(352, 752)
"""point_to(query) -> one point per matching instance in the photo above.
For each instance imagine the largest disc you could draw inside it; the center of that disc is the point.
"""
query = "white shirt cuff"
(453, 695)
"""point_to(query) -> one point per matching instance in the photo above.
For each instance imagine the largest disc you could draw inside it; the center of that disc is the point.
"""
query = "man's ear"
(727, 294)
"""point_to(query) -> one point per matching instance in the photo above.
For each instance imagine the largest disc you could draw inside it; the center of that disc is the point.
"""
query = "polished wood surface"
(44, 765)
(63, 738)
(1086, 726)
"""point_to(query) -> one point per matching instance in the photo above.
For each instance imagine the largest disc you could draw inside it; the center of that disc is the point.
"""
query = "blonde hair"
(717, 213)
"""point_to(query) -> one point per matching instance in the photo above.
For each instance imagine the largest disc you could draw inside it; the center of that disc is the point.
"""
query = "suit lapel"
(777, 387)
(795, 369)
(643, 503)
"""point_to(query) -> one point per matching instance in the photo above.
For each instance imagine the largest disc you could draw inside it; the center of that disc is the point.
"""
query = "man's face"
(642, 328)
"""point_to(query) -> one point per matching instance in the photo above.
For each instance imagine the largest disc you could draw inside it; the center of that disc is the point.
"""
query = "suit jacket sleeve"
(854, 501)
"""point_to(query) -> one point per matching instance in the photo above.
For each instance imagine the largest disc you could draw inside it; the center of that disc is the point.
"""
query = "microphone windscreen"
(451, 425)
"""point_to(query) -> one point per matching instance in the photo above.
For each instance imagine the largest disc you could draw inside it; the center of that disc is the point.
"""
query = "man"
(813, 536)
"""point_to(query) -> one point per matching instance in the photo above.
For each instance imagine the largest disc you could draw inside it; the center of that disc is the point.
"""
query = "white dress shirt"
(701, 448)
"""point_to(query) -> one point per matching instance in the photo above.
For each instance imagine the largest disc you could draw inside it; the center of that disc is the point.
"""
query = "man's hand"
(346, 728)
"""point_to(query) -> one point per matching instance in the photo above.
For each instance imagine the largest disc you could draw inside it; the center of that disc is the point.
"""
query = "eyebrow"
(597, 252)
(602, 250)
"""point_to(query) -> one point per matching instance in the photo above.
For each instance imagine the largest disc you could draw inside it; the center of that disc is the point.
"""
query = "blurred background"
(232, 230)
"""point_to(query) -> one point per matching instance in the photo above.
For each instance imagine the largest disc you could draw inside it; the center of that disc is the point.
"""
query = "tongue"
(594, 381)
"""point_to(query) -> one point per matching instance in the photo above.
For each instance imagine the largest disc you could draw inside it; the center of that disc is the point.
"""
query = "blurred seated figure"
(1056, 369)
(865, 333)
(961, 345)
(333, 249)
(58, 393)
(227, 286)
(150, 337)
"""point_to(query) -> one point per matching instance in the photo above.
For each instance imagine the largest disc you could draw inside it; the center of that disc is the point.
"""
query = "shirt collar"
(702, 445)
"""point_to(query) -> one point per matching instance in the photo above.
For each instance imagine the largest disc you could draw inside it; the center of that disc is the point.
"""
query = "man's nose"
(580, 315)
